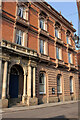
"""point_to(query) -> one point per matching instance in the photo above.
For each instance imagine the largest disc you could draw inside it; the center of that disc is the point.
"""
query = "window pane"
(56, 32)
(41, 88)
(20, 11)
(57, 53)
(71, 85)
(42, 24)
(42, 83)
(67, 39)
(69, 57)
(58, 84)
(19, 37)
(41, 46)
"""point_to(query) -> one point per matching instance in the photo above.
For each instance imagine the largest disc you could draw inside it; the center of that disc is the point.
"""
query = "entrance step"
(16, 102)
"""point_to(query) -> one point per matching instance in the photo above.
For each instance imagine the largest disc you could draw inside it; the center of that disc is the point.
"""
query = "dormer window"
(21, 12)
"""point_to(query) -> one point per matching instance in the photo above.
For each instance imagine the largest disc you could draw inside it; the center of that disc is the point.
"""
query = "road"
(60, 111)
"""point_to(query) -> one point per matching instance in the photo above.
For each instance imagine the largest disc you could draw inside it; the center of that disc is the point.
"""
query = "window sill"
(71, 92)
(59, 93)
(42, 93)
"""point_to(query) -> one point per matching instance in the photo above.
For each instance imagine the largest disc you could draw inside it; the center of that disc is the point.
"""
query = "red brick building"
(39, 60)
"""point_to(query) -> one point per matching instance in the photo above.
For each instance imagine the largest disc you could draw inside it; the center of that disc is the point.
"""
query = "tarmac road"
(61, 111)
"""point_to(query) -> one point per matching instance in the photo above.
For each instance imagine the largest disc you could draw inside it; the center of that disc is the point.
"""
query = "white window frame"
(71, 85)
(68, 39)
(20, 37)
(23, 12)
(60, 84)
(70, 57)
(44, 25)
(56, 29)
(43, 46)
(44, 92)
(59, 51)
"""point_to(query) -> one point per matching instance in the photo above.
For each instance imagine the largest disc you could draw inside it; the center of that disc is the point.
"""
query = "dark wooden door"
(13, 86)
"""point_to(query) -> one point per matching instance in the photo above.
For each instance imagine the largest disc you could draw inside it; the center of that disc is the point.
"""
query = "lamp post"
(76, 40)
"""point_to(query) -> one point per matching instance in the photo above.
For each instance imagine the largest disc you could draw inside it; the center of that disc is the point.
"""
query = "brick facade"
(26, 56)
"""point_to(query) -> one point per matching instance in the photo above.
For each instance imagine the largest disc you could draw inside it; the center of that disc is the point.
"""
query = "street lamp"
(76, 40)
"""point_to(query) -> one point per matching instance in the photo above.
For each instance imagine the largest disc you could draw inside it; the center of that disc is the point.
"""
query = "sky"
(68, 10)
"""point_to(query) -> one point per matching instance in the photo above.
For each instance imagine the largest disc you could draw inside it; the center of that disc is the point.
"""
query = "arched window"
(59, 86)
(42, 86)
(71, 84)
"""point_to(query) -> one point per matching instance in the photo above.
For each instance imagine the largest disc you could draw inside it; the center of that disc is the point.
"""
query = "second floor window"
(42, 24)
(69, 57)
(68, 40)
(21, 12)
(19, 37)
(56, 33)
(58, 53)
(42, 46)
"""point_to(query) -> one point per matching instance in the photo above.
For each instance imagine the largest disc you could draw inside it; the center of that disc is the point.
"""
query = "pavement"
(16, 109)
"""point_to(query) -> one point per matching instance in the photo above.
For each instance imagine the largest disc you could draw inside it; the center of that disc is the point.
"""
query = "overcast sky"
(68, 10)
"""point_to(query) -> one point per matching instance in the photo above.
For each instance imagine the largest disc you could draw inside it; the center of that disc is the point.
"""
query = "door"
(13, 86)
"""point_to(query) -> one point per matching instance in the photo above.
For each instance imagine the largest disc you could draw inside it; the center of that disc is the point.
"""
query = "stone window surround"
(45, 46)
(25, 34)
(43, 16)
(25, 12)
(58, 27)
(69, 37)
(57, 46)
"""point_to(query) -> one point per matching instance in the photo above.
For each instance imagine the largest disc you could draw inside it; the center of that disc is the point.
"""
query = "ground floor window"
(71, 85)
(42, 86)
(59, 89)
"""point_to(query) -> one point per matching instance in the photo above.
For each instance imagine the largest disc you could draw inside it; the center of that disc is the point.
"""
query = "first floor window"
(41, 46)
(58, 53)
(19, 37)
(59, 84)
(67, 38)
(42, 83)
(70, 57)
(71, 84)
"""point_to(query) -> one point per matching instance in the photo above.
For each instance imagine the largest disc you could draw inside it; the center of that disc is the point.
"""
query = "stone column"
(8, 85)
(24, 90)
(29, 82)
(4, 80)
(34, 81)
